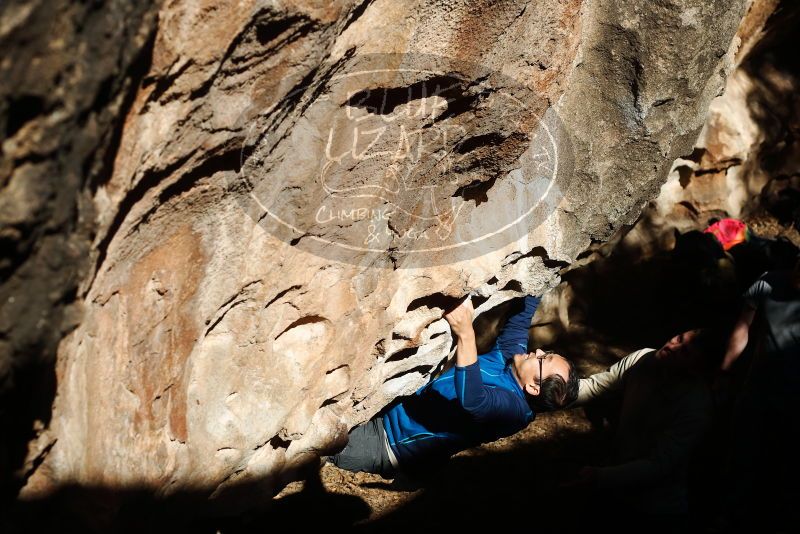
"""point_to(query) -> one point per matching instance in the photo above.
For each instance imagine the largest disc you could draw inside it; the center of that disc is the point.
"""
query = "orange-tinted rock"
(235, 321)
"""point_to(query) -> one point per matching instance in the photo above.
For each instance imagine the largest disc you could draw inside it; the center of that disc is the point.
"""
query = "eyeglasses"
(541, 358)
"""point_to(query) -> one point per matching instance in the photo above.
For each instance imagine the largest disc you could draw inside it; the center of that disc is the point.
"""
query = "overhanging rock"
(299, 192)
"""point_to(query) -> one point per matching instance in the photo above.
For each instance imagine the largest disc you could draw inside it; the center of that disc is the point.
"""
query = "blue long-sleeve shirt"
(465, 406)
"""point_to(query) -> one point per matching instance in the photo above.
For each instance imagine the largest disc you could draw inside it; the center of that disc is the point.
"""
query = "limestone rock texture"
(68, 74)
(223, 334)
(744, 163)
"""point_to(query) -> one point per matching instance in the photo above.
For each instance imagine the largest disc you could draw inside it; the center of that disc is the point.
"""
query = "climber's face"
(533, 368)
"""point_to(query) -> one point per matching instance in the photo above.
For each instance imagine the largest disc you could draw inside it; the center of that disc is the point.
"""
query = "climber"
(481, 399)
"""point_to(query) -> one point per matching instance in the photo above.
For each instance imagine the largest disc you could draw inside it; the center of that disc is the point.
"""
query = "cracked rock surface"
(228, 323)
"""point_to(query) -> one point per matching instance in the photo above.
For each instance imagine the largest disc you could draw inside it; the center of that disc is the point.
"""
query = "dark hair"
(555, 393)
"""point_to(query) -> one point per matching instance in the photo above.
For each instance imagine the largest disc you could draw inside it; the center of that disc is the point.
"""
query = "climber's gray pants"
(366, 450)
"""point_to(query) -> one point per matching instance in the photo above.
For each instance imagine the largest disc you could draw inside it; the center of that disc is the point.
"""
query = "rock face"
(297, 192)
(744, 163)
(68, 74)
